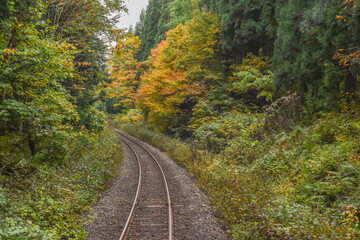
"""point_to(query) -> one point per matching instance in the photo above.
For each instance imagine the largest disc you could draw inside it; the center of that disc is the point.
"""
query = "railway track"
(151, 213)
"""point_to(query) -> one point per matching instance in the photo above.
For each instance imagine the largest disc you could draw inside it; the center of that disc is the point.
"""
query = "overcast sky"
(134, 7)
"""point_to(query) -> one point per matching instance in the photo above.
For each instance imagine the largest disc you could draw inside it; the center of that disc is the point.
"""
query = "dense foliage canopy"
(152, 26)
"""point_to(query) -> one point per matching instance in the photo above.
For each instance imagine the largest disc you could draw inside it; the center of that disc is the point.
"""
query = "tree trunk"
(32, 146)
(350, 83)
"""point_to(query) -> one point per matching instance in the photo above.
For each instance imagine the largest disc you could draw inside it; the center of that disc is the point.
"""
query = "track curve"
(140, 223)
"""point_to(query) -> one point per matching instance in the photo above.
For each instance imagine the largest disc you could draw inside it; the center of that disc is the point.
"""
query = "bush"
(43, 199)
(217, 132)
(281, 114)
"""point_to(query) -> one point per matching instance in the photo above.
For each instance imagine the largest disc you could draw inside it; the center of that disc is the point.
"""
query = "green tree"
(153, 27)
(308, 35)
(180, 12)
(140, 25)
(247, 26)
(50, 66)
(4, 9)
(33, 103)
(81, 23)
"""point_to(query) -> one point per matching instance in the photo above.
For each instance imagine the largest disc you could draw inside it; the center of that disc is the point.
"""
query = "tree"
(307, 37)
(349, 56)
(140, 25)
(123, 68)
(253, 81)
(82, 23)
(180, 71)
(33, 103)
(180, 12)
(4, 9)
(153, 27)
(246, 25)
(50, 66)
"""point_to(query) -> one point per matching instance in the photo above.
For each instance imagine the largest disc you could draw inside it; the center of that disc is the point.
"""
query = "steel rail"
(165, 181)
(131, 214)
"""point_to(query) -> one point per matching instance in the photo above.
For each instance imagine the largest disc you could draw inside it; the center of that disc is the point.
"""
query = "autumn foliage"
(123, 68)
(178, 73)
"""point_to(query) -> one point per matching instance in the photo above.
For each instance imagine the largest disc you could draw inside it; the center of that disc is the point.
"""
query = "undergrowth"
(44, 198)
(268, 182)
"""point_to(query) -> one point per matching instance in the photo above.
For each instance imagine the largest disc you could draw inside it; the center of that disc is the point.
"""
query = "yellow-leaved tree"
(180, 71)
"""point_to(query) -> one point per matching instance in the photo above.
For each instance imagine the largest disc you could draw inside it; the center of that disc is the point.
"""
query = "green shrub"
(45, 199)
(216, 134)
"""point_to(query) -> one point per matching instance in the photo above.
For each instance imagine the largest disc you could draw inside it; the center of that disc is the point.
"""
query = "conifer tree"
(140, 25)
(154, 26)
(4, 9)
(247, 26)
(180, 12)
(308, 35)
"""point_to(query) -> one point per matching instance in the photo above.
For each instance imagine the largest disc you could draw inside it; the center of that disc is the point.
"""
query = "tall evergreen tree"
(153, 26)
(4, 8)
(308, 36)
(247, 26)
(140, 25)
(180, 12)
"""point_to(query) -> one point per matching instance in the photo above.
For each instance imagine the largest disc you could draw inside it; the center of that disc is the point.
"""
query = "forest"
(258, 99)
(56, 153)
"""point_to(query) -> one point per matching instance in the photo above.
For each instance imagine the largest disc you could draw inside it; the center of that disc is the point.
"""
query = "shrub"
(217, 132)
(281, 114)
(43, 199)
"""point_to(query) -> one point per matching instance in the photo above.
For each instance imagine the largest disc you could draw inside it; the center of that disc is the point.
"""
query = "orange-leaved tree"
(179, 72)
(123, 68)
